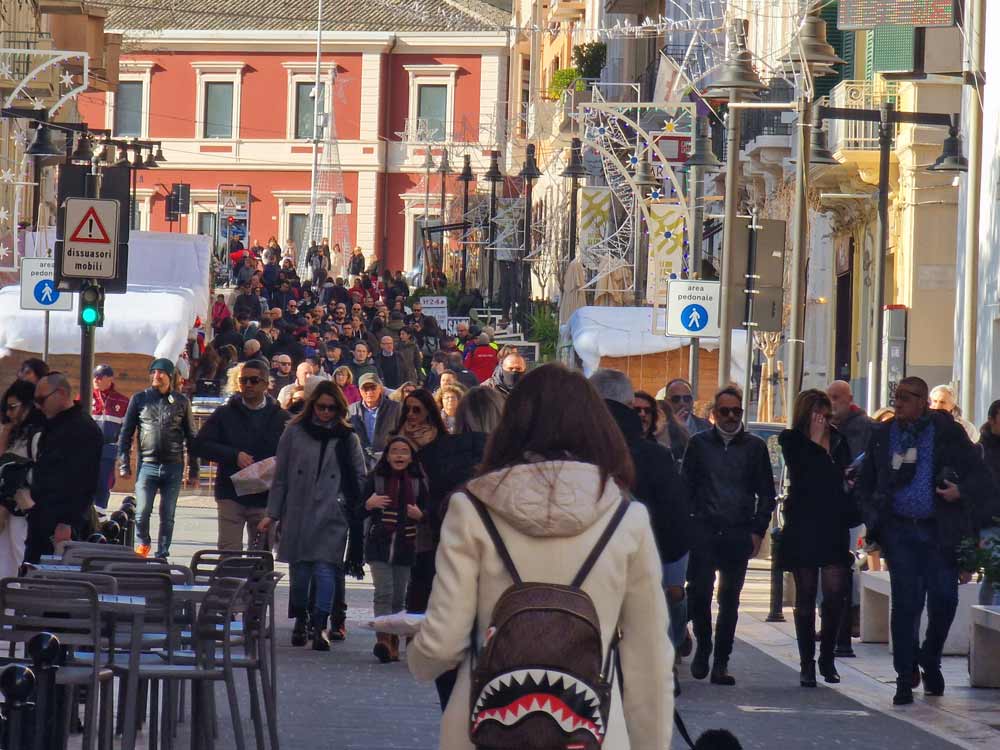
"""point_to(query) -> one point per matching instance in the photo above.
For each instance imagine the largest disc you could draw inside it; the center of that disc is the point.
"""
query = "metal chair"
(205, 561)
(69, 610)
(78, 555)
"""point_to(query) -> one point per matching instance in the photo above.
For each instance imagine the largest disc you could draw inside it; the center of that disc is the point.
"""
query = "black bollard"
(112, 531)
(97, 538)
(128, 508)
(17, 683)
(775, 613)
(46, 655)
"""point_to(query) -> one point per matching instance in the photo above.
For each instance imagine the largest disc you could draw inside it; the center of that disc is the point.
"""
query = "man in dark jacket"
(989, 515)
(508, 374)
(162, 417)
(659, 488)
(66, 468)
(921, 487)
(394, 368)
(239, 433)
(849, 418)
(731, 486)
(374, 417)
(679, 394)
(108, 411)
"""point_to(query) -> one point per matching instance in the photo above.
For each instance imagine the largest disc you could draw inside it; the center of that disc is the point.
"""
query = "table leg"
(132, 684)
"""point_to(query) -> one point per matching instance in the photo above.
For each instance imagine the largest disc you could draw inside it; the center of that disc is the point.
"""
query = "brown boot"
(394, 647)
(383, 648)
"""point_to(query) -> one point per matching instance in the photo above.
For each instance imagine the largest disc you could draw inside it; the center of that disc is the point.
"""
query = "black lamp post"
(465, 178)
(887, 117)
(444, 169)
(574, 170)
(493, 176)
(529, 173)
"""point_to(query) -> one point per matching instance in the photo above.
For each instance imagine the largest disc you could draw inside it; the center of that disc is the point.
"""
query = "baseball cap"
(103, 371)
(369, 377)
(163, 364)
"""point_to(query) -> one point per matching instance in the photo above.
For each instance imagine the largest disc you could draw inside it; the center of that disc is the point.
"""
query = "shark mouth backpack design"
(540, 681)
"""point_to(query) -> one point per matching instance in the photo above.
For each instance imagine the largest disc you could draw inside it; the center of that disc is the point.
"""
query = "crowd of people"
(449, 470)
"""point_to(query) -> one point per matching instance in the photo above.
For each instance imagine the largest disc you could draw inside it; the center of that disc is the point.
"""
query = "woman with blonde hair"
(343, 377)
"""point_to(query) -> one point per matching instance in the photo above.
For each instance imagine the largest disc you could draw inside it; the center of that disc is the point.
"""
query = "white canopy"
(168, 288)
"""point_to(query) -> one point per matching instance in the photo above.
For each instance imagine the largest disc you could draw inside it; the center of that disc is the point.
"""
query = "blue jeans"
(322, 578)
(919, 571)
(104, 481)
(675, 574)
(167, 479)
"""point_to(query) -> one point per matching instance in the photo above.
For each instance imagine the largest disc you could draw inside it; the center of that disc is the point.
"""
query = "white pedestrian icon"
(46, 293)
(694, 319)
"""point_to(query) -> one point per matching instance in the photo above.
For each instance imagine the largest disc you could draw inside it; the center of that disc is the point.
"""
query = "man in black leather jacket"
(731, 485)
(163, 418)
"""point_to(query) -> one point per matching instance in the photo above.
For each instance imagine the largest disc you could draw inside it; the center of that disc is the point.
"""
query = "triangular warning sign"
(230, 203)
(90, 229)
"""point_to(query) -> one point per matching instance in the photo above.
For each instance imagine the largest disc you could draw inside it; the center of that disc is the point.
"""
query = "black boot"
(844, 648)
(299, 636)
(807, 674)
(933, 680)
(720, 674)
(828, 669)
(904, 693)
(320, 640)
(699, 664)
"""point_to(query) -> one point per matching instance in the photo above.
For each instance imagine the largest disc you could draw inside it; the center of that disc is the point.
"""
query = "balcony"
(567, 10)
(44, 85)
(846, 136)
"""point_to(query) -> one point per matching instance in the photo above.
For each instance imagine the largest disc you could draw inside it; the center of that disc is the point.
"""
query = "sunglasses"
(11, 407)
(284, 364)
(251, 380)
(642, 410)
(682, 399)
(726, 411)
(326, 407)
(906, 395)
(40, 400)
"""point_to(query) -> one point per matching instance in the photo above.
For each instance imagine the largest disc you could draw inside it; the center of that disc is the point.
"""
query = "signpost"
(693, 308)
(39, 292)
(90, 248)
(437, 308)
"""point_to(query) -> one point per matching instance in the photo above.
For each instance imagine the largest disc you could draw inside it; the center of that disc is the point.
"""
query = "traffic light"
(91, 305)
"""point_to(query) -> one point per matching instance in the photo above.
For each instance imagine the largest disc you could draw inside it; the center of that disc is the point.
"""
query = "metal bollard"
(46, 655)
(17, 683)
(128, 507)
(775, 613)
(123, 519)
(112, 531)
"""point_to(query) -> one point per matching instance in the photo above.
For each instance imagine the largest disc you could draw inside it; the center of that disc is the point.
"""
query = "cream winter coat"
(550, 515)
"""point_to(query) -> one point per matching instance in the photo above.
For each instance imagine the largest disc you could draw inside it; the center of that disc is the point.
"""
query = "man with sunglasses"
(681, 399)
(731, 487)
(921, 486)
(243, 431)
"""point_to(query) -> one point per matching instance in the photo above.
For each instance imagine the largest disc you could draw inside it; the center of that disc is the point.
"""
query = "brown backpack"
(540, 682)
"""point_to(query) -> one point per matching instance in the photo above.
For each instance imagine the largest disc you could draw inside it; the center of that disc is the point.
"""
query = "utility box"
(893, 351)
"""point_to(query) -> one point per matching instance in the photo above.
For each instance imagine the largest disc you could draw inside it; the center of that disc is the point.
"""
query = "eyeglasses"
(326, 407)
(682, 399)
(906, 395)
(251, 381)
(284, 364)
(642, 410)
(11, 406)
(40, 400)
(726, 411)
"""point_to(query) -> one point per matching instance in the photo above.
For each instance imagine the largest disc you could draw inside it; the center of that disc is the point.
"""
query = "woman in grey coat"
(317, 479)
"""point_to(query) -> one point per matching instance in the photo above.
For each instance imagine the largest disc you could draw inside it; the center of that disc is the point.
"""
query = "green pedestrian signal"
(91, 305)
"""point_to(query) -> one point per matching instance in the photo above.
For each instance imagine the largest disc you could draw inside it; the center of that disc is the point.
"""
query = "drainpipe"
(385, 139)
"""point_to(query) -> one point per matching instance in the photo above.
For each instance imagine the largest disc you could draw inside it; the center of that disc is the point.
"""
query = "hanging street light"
(529, 173)
(466, 177)
(495, 177)
(574, 170)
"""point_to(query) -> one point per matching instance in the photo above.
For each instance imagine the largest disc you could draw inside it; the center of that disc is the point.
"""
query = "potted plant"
(983, 555)
(563, 80)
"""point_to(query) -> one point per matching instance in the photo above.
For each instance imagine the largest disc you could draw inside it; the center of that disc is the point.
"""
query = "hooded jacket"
(657, 485)
(502, 381)
(550, 515)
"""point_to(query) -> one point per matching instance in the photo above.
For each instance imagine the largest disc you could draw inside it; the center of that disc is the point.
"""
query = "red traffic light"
(231, 219)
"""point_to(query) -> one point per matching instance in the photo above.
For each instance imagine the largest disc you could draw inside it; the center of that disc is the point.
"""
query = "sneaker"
(904, 693)
(699, 664)
(142, 550)
(338, 634)
(933, 682)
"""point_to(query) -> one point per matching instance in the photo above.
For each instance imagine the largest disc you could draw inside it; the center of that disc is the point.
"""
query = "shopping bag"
(255, 478)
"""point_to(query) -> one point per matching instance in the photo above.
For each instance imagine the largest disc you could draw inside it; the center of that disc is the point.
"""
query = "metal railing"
(26, 40)
(847, 135)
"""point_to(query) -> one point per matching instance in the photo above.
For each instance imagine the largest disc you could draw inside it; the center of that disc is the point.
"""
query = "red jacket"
(109, 413)
(482, 361)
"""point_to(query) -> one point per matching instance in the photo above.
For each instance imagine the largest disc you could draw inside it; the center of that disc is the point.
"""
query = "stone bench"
(876, 598)
(984, 651)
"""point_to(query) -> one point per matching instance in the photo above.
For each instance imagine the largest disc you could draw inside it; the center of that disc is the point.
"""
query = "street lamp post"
(493, 176)
(574, 170)
(425, 260)
(644, 180)
(466, 177)
(444, 169)
(529, 173)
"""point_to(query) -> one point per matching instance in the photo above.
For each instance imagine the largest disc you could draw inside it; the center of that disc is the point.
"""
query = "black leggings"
(834, 581)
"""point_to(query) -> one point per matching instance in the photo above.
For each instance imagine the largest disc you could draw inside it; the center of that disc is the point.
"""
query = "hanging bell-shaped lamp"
(84, 152)
(137, 162)
(466, 174)
(428, 165)
(42, 145)
(575, 168)
(122, 157)
(644, 177)
(159, 153)
(493, 174)
(530, 170)
(737, 71)
(951, 159)
(703, 156)
(150, 161)
(819, 153)
(811, 49)
(444, 167)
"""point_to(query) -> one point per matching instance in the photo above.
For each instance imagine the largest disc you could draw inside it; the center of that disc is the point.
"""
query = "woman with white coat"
(551, 481)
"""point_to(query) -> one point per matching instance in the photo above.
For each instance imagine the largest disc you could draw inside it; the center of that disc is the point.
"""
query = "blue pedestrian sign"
(693, 308)
(38, 286)
(694, 318)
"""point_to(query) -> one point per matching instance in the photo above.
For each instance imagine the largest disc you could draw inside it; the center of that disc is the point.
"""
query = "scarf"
(396, 524)
(904, 463)
(421, 435)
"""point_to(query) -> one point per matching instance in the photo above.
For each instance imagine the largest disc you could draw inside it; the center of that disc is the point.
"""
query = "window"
(218, 111)
(305, 109)
(128, 109)
(206, 224)
(432, 108)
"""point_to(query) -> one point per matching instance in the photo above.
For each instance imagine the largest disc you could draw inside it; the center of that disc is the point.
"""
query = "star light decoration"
(7, 176)
(6, 71)
(4, 215)
(66, 79)
(3, 251)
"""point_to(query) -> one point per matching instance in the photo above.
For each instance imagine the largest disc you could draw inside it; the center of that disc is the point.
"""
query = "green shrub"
(590, 58)
(543, 327)
(564, 79)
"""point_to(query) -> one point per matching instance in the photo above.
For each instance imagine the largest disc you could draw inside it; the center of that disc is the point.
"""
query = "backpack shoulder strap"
(494, 532)
(602, 542)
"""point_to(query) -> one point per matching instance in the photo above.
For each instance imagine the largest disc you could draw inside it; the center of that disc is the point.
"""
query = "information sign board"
(38, 286)
(867, 14)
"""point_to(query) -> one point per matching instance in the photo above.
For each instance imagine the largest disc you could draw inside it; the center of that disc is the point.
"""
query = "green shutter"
(843, 45)
(890, 48)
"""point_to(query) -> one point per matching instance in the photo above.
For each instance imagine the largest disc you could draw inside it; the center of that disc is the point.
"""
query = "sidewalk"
(968, 717)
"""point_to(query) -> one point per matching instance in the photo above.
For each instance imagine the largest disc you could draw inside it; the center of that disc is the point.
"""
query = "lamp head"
(444, 167)
(530, 170)
(951, 159)
(737, 71)
(42, 145)
(466, 174)
(575, 168)
(493, 174)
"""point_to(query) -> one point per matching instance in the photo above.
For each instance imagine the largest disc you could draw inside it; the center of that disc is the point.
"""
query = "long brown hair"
(324, 388)
(805, 404)
(555, 413)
